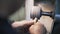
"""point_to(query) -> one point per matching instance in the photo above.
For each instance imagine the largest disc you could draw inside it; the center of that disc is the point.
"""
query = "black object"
(5, 27)
(56, 27)
(40, 13)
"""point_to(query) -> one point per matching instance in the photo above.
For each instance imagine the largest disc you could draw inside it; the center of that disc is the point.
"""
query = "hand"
(22, 26)
(37, 28)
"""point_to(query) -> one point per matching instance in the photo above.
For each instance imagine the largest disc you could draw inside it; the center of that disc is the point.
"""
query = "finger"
(22, 23)
(28, 23)
(35, 20)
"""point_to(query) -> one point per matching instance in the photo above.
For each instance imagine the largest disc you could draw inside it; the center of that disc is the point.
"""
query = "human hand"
(37, 28)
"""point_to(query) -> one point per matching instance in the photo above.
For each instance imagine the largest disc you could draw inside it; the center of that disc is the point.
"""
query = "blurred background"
(19, 14)
(25, 8)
